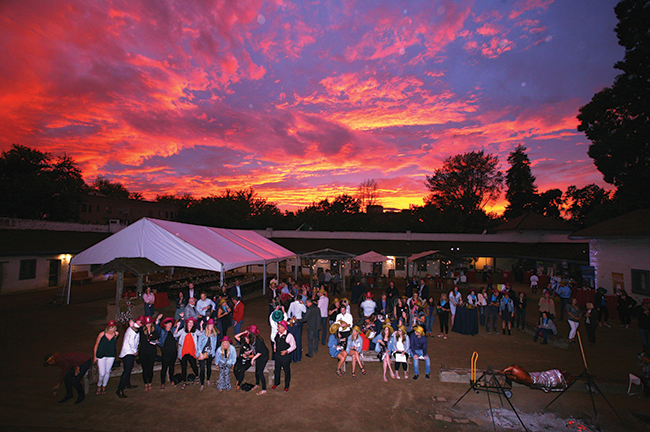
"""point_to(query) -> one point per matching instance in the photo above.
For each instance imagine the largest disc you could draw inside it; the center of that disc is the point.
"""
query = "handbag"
(93, 373)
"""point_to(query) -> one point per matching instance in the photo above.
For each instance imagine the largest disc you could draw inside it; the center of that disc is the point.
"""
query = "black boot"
(80, 399)
(120, 393)
(66, 398)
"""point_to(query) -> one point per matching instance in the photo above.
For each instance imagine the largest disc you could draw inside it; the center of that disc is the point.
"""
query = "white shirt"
(131, 342)
(296, 309)
(482, 299)
(347, 318)
(274, 326)
(533, 280)
(368, 307)
(323, 305)
(203, 305)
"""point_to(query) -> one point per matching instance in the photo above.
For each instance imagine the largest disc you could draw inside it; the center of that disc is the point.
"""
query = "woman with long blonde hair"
(105, 351)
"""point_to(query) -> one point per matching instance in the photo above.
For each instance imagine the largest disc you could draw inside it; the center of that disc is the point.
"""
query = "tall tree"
(32, 186)
(550, 203)
(617, 120)
(522, 192)
(588, 204)
(367, 193)
(466, 182)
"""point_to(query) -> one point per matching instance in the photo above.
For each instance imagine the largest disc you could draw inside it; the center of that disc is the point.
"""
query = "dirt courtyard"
(318, 400)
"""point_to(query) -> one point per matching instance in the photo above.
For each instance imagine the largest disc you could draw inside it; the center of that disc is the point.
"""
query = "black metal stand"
(491, 384)
(591, 385)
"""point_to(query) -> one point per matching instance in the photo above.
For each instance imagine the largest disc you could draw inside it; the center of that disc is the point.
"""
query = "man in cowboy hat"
(419, 350)
(128, 353)
(368, 306)
(283, 344)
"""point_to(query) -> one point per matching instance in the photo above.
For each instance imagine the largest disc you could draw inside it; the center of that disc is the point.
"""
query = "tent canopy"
(417, 256)
(371, 256)
(174, 244)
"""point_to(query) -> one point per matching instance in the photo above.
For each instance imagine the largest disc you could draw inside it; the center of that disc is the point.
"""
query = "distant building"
(619, 251)
(32, 259)
(101, 209)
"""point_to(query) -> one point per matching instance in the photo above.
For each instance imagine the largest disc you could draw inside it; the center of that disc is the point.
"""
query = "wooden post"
(139, 285)
(119, 287)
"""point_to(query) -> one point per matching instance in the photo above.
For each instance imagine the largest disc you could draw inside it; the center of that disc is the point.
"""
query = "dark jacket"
(312, 318)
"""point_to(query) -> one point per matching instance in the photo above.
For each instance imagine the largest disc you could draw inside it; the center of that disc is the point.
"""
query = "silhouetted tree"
(466, 182)
(111, 189)
(617, 120)
(522, 192)
(367, 194)
(588, 205)
(550, 203)
(32, 186)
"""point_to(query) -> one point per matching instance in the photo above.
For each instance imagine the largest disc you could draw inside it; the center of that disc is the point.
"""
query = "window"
(640, 281)
(400, 264)
(27, 269)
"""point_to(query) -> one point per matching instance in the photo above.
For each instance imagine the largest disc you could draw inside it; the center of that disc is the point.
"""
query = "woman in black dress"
(260, 357)
(148, 350)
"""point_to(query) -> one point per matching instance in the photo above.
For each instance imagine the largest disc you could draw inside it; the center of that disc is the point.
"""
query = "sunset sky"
(302, 100)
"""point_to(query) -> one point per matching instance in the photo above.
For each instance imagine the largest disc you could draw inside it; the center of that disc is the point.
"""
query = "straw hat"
(403, 329)
(357, 328)
(387, 326)
(334, 328)
(419, 330)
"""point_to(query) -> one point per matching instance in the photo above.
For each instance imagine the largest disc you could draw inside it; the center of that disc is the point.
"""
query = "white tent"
(174, 244)
(371, 256)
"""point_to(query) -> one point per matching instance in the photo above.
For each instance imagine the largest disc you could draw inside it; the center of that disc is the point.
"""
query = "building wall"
(100, 209)
(609, 256)
(11, 281)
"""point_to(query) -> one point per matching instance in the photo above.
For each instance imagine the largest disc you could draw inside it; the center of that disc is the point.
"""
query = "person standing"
(624, 305)
(368, 306)
(168, 348)
(546, 304)
(494, 303)
(129, 350)
(506, 311)
(244, 359)
(423, 290)
(191, 310)
(443, 315)
(455, 300)
(187, 342)
(204, 308)
(323, 306)
(520, 311)
(225, 359)
(236, 291)
(181, 302)
(419, 350)
(534, 280)
(206, 349)
(482, 302)
(564, 292)
(591, 322)
(105, 352)
(600, 303)
(237, 314)
(312, 321)
(573, 316)
(284, 344)
(191, 292)
(391, 291)
(260, 357)
(148, 350)
(149, 299)
(73, 368)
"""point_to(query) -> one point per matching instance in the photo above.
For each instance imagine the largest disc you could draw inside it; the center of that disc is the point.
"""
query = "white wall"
(11, 272)
(609, 256)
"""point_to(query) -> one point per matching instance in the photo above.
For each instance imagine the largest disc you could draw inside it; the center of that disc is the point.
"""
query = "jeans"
(168, 361)
(260, 364)
(240, 369)
(104, 365)
(520, 318)
(564, 302)
(71, 380)
(492, 315)
(187, 358)
(125, 380)
(543, 333)
(428, 323)
(481, 310)
(203, 364)
(147, 361)
(416, 366)
(324, 325)
(237, 326)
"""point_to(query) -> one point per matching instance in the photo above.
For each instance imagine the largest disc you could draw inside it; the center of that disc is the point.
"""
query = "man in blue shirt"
(419, 350)
(565, 297)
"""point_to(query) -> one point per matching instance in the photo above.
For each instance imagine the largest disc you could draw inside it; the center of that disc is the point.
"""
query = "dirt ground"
(318, 399)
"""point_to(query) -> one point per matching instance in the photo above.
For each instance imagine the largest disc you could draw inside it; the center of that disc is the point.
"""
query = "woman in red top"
(187, 343)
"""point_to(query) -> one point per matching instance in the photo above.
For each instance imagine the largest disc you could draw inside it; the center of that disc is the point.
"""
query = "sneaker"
(416, 377)
(274, 387)
(488, 332)
(445, 337)
(427, 376)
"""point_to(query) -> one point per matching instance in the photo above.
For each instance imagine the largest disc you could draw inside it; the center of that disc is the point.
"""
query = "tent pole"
(139, 285)
(69, 284)
(295, 268)
(277, 270)
(264, 280)
(311, 273)
(221, 277)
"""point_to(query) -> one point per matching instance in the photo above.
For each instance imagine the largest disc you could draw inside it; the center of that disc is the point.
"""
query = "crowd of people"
(394, 326)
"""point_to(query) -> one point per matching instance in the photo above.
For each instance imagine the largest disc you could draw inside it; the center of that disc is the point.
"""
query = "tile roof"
(535, 222)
